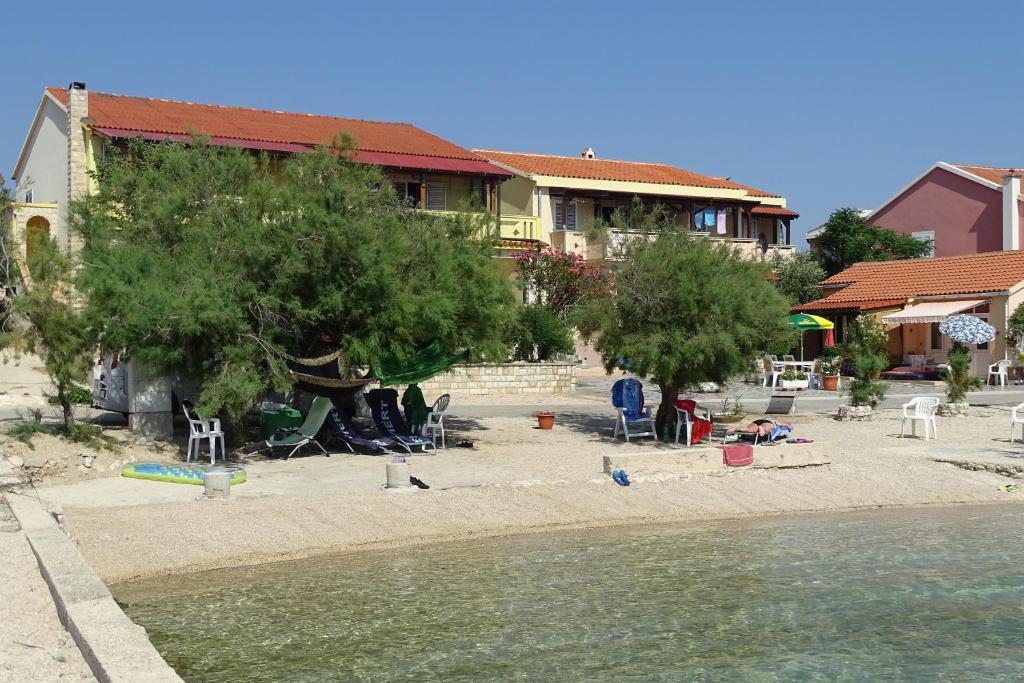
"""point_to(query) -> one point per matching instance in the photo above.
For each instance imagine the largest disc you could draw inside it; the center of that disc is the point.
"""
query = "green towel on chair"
(415, 408)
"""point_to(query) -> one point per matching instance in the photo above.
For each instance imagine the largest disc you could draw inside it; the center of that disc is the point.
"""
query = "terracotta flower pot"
(830, 382)
(545, 419)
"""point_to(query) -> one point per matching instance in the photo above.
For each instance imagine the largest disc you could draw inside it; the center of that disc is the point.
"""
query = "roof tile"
(183, 118)
(879, 281)
(609, 169)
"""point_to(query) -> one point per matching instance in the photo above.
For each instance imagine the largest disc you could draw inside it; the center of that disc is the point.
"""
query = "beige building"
(72, 125)
(567, 195)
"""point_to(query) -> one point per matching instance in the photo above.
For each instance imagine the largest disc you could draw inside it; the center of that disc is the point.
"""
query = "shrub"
(958, 377)
(539, 334)
(865, 389)
(79, 396)
(26, 429)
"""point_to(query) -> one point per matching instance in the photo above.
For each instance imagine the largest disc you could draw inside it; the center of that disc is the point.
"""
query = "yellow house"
(71, 126)
(567, 194)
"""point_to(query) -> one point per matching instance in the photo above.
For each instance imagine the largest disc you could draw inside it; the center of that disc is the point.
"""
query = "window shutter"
(400, 191)
(437, 197)
(570, 221)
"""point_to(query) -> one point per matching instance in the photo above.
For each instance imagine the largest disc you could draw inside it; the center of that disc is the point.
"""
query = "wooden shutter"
(437, 196)
(570, 222)
(401, 191)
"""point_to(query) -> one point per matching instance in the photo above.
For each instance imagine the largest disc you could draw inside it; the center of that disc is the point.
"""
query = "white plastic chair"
(771, 373)
(435, 420)
(683, 421)
(920, 409)
(788, 357)
(1017, 419)
(199, 429)
(999, 370)
(622, 424)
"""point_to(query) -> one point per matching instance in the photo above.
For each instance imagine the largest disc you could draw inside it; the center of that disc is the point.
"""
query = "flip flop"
(464, 444)
(620, 477)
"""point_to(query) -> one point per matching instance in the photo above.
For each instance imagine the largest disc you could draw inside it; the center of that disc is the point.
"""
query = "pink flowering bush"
(562, 281)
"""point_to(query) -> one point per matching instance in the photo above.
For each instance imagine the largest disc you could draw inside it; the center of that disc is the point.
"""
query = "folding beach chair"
(384, 407)
(343, 430)
(780, 404)
(306, 433)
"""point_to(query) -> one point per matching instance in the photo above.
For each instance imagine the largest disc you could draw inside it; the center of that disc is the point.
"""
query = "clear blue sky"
(830, 104)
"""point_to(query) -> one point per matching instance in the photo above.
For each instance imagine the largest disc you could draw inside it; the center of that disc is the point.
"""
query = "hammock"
(421, 366)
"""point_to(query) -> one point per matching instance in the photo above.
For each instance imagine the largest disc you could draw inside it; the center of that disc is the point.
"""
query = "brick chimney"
(1011, 211)
(78, 165)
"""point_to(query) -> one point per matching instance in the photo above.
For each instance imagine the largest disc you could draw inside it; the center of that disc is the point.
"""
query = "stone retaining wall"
(503, 378)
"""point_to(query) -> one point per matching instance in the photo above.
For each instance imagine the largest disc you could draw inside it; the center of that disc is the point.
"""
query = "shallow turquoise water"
(932, 594)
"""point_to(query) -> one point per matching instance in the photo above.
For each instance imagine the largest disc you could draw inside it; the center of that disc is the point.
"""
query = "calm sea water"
(933, 594)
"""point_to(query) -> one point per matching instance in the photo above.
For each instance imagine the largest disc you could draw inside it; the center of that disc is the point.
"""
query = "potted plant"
(865, 390)
(545, 419)
(830, 373)
(794, 380)
(732, 411)
(959, 381)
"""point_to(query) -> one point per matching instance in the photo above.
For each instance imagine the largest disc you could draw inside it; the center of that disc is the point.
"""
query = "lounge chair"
(343, 430)
(780, 404)
(306, 433)
(384, 406)
(628, 399)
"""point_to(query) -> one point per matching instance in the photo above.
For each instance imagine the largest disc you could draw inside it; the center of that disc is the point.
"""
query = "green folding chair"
(306, 433)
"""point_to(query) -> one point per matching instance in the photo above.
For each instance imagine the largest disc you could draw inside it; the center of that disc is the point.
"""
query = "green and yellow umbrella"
(806, 321)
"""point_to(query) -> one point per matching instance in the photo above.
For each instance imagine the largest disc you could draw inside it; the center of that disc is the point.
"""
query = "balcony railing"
(512, 227)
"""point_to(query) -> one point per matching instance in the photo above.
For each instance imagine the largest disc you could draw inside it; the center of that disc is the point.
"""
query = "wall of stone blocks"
(502, 378)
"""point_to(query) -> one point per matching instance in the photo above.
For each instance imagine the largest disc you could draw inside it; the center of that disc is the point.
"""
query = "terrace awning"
(929, 312)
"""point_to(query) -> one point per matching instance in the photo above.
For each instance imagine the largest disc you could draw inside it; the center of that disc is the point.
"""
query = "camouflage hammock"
(421, 366)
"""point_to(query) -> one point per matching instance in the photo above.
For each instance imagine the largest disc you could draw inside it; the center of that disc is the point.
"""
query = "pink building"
(963, 209)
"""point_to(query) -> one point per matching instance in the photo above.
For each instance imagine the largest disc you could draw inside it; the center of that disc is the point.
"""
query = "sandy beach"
(516, 479)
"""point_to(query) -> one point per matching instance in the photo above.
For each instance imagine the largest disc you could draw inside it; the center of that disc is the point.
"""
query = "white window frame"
(921, 236)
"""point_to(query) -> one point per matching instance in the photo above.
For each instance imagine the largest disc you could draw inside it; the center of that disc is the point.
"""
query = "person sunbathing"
(763, 428)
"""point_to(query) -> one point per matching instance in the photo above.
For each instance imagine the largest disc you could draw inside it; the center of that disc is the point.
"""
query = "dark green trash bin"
(283, 417)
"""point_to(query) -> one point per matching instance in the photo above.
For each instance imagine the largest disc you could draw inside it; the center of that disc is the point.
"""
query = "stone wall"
(503, 378)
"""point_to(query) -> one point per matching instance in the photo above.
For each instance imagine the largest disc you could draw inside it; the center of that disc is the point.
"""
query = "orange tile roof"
(827, 304)
(769, 210)
(884, 281)
(990, 173)
(262, 125)
(610, 169)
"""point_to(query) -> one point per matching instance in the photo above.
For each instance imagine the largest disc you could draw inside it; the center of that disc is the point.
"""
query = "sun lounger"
(306, 433)
(780, 404)
(343, 430)
(384, 406)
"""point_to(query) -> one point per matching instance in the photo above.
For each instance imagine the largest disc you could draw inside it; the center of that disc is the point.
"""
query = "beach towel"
(701, 427)
(737, 454)
(628, 394)
(720, 221)
(779, 432)
(415, 408)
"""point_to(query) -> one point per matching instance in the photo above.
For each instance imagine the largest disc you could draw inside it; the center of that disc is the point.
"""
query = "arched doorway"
(37, 227)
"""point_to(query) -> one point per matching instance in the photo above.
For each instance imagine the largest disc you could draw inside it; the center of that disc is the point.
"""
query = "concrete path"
(33, 644)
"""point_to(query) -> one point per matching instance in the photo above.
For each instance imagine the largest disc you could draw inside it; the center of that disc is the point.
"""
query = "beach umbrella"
(806, 321)
(967, 329)
(830, 338)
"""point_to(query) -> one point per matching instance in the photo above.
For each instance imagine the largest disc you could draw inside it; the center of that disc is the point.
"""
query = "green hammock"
(421, 366)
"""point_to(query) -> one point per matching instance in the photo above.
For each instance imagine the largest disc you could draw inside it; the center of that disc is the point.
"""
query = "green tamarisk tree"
(216, 263)
(686, 311)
